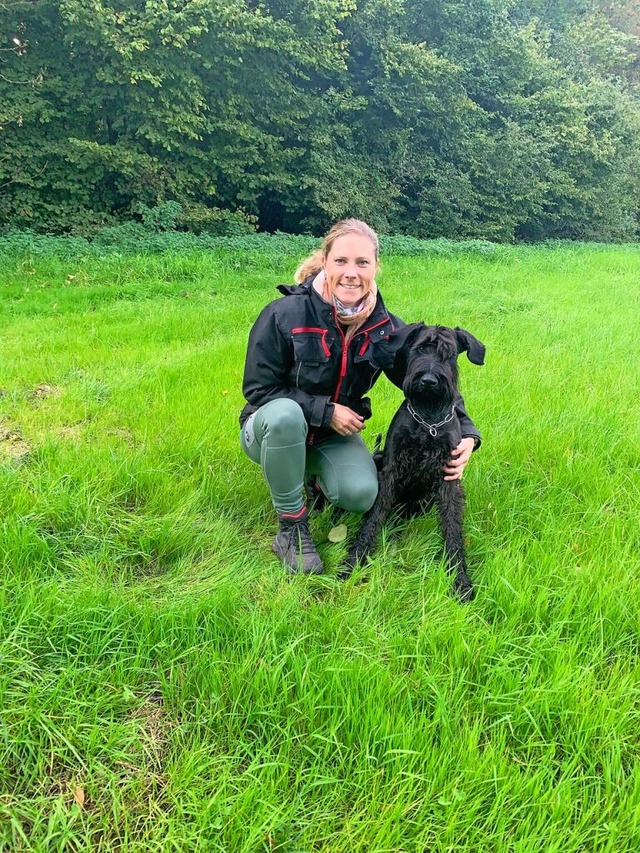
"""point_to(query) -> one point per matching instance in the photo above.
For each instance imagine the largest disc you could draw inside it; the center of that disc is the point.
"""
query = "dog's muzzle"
(428, 381)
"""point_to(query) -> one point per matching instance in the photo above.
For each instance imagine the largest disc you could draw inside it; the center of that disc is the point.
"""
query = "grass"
(164, 686)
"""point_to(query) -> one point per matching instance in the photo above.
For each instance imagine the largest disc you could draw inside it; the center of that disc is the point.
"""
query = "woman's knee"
(358, 495)
(284, 422)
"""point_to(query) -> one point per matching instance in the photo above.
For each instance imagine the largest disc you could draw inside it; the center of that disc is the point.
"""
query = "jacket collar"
(294, 289)
(378, 317)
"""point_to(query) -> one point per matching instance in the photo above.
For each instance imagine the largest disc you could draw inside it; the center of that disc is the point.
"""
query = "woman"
(312, 357)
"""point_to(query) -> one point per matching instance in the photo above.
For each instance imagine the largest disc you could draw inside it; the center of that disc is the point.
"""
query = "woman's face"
(350, 266)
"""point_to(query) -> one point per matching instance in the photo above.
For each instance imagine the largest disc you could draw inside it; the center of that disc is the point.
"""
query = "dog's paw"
(348, 568)
(359, 579)
(463, 587)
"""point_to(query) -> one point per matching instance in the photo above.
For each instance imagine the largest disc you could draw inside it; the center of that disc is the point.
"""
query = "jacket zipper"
(343, 361)
(345, 351)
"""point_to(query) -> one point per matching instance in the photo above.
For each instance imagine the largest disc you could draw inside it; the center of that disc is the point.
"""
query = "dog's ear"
(402, 340)
(406, 335)
(474, 348)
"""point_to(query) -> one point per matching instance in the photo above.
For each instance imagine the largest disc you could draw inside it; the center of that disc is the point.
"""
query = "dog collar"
(433, 428)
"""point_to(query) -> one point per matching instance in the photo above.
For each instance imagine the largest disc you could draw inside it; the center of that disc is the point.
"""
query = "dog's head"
(428, 359)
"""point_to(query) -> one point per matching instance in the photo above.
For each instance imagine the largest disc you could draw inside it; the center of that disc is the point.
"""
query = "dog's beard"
(433, 397)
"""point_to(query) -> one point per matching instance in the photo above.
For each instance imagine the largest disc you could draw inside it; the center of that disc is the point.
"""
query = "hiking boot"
(294, 545)
(316, 498)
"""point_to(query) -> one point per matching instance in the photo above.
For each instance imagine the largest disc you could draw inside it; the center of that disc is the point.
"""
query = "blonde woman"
(312, 356)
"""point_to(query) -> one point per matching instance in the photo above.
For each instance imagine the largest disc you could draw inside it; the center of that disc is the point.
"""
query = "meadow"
(164, 686)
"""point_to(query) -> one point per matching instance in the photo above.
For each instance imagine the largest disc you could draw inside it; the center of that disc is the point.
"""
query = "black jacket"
(297, 350)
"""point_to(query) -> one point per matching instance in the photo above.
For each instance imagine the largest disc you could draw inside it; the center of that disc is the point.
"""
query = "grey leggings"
(275, 437)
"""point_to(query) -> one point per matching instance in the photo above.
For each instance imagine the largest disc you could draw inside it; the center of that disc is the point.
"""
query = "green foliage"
(138, 239)
(161, 218)
(491, 119)
(199, 219)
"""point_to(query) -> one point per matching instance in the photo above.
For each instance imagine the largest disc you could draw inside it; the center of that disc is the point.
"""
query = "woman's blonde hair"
(313, 264)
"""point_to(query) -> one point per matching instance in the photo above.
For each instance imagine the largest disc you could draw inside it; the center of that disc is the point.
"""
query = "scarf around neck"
(351, 316)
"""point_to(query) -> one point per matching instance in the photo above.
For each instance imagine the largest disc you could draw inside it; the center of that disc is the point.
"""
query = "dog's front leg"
(451, 512)
(369, 530)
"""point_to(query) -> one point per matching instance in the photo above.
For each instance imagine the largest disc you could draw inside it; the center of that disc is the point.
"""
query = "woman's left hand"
(460, 455)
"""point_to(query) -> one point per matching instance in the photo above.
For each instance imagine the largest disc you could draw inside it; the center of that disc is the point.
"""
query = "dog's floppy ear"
(406, 335)
(474, 348)
(402, 339)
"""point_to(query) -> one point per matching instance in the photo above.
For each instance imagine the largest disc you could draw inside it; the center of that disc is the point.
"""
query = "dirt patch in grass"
(155, 726)
(71, 433)
(13, 446)
(42, 391)
(124, 434)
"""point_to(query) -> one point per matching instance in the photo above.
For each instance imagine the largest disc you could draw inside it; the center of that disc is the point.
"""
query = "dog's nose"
(429, 381)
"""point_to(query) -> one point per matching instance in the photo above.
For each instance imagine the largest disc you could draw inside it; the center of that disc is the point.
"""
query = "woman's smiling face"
(350, 266)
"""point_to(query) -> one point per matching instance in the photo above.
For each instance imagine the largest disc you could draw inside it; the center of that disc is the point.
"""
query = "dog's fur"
(410, 466)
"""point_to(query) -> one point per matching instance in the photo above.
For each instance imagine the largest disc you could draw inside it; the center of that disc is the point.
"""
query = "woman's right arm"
(267, 367)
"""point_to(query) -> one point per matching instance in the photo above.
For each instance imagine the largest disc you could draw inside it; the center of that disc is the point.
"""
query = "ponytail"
(310, 266)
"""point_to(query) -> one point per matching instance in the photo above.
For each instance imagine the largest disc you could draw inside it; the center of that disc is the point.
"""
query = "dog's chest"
(414, 462)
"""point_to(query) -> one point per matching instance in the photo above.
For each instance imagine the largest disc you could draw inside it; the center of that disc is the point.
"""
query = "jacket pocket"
(310, 345)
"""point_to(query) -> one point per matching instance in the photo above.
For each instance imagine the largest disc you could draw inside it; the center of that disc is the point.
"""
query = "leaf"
(79, 797)
(338, 533)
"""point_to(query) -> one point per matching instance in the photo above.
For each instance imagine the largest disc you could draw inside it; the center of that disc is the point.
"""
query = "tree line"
(498, 119)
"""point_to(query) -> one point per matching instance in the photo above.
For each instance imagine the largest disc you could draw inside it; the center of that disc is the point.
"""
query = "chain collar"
(433, 428)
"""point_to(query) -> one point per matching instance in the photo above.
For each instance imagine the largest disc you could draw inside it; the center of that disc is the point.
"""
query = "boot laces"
(301, 537)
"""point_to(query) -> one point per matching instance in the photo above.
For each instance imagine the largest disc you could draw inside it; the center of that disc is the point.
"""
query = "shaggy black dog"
(422, 434)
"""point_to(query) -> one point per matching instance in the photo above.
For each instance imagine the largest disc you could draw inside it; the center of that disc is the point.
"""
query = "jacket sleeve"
(467, 426)
(266, 371)
(392, 370)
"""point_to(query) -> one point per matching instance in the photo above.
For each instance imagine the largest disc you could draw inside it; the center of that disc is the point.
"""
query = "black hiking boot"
(294, 545)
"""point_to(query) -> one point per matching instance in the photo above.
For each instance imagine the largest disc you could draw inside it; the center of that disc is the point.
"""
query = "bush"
(199, 219)
(246, 249)
(163, 217)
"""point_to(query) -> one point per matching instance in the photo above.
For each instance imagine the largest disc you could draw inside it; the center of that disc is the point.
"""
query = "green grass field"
(165, 687)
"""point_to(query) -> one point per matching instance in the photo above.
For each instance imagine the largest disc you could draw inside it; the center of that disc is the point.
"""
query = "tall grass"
(165, 686)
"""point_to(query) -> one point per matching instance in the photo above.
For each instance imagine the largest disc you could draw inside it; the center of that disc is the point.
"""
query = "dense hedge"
(262, 250)
(490, 119)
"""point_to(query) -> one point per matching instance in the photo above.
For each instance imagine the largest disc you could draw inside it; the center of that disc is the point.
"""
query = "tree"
(466, 118)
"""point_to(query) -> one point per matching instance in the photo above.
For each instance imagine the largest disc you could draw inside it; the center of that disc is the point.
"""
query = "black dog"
(422, 434)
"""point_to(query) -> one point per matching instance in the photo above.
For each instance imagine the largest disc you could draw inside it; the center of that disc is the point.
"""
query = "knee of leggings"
(287, 424)
(358, 496)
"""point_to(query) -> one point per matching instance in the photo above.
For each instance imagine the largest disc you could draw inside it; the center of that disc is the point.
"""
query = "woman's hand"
(460, 455)
(345, 421)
